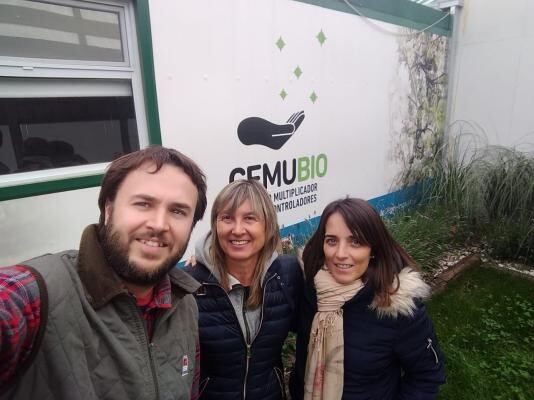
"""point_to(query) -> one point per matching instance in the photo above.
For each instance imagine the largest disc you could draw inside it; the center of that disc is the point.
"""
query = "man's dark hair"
(121, 167)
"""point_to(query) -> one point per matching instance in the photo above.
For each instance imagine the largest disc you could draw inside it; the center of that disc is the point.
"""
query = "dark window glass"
(42, 133)
(38, 29)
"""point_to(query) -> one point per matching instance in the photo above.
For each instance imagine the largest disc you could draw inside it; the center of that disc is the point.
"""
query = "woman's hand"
(191, 261)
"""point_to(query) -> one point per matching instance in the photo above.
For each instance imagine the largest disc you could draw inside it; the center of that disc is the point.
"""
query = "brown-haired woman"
(247, 302)
(363, 330)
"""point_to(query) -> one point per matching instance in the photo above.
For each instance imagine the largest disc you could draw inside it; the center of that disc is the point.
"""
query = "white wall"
(493, 79)
(216, 64)
(37, 225)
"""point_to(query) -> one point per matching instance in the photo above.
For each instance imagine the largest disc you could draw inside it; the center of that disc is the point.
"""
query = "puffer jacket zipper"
(431, 347)
(248, 343)
(249, 346)
(237, 320)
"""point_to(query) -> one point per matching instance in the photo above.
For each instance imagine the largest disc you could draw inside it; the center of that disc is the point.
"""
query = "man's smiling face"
(148, 224)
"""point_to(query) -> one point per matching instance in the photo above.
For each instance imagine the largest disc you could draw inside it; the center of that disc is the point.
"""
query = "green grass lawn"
(485, 325)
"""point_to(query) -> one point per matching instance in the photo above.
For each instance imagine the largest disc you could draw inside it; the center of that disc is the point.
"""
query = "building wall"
(37, 225)
(492, 80)
(361, 93)
(218, 64)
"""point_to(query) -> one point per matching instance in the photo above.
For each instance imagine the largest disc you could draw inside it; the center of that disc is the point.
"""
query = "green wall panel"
(144, 38)
(399, 12)
(61, 185)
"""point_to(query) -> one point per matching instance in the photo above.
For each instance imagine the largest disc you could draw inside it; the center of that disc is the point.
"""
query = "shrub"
(426, 233)
(488, 190)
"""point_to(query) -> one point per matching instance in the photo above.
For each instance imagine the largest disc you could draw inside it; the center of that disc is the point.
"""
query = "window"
(71, 95)
(35, 29)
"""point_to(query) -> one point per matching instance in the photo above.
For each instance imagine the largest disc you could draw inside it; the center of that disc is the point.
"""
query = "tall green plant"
(509, 202)
(426, 233)
(491, 188)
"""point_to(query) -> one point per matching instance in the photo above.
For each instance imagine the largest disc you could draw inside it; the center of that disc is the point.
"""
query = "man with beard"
(114, 320)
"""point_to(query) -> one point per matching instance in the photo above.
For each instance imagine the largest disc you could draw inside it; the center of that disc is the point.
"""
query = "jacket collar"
(102, 284)
(403, 301)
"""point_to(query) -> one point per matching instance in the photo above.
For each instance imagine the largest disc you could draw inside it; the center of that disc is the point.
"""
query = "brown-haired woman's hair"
(388, 258)
(228, 201)
(159, 156)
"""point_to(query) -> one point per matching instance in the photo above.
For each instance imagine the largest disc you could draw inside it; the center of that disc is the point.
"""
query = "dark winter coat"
(231, 369)
(94, 345)
(390, 353)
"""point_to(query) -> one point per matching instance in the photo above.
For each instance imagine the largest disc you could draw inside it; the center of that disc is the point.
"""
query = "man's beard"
(116, 254)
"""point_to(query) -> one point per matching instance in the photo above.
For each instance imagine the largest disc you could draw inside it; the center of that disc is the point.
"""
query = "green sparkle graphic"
(297, 72)
(280, 43)
(321, 37)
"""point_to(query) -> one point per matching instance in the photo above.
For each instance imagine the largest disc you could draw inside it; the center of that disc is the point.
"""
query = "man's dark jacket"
(94, 344)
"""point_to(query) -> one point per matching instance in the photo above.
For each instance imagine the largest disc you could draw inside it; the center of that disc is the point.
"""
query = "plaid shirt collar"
(161, 295)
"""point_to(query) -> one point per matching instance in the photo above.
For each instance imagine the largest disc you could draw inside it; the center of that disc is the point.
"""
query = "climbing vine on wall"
(421, 133)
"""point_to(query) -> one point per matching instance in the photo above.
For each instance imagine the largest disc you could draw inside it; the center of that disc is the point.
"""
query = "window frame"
(139, 72)
(118, 6)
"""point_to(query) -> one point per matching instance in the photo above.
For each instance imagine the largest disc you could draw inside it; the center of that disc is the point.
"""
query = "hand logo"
(255, 130)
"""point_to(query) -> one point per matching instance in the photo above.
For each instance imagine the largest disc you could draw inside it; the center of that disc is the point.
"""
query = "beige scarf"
(324, 367)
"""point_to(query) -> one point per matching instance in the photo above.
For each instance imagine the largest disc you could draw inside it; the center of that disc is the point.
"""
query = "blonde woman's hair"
(228, 201)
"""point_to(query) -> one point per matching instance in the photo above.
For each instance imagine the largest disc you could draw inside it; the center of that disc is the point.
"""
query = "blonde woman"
(247, 302)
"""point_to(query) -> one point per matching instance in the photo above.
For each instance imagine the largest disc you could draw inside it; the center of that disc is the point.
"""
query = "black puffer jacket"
(390, 353)
(230, 371)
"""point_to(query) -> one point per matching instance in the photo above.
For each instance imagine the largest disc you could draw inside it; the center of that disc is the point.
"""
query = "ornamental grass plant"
(486, 192)
(427, 232)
